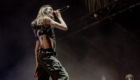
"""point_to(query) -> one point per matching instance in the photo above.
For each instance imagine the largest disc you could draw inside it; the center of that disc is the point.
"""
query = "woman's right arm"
(36, 51)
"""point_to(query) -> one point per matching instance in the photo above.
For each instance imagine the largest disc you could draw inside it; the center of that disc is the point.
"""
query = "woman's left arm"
(62, 25)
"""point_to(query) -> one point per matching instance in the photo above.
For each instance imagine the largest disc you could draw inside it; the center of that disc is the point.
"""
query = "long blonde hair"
(39, 19)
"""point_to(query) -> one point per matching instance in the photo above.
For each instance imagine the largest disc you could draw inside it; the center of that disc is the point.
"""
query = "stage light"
(129, 77)
(95, 15)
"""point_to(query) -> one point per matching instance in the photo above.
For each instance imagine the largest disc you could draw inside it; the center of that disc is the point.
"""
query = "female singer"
(46, 63)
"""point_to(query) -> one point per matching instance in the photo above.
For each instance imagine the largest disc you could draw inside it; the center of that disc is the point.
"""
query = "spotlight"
(95, 15)
(129, 77)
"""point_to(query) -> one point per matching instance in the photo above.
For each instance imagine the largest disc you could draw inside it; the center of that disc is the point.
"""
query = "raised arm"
(62, 25)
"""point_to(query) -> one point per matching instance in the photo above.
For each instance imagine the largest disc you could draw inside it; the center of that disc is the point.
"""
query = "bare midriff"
(46, 41)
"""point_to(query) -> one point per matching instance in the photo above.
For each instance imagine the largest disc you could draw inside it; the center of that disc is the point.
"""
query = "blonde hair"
(39, 19)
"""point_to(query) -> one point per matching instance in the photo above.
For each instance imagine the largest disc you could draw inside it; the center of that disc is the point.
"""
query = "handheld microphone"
(64, 8)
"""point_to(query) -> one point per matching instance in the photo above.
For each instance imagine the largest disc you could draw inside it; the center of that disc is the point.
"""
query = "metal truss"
(98, 16)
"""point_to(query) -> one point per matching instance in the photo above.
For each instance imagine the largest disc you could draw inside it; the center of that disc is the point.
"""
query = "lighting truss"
(98, 16)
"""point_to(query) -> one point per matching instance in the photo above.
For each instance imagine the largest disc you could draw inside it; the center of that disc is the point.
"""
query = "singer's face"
(49, 12)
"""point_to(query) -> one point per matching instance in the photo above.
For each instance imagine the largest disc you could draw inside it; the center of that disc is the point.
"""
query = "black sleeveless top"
(49, 32)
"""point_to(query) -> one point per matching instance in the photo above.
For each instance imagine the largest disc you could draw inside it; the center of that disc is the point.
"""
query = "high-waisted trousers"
(48, 65)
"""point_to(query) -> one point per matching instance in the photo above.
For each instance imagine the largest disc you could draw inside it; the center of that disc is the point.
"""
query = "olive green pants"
(48, 65)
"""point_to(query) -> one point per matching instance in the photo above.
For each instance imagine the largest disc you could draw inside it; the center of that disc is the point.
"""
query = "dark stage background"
(106, 51)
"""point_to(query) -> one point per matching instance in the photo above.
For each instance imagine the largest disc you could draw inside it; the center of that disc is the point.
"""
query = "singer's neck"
(52, 17)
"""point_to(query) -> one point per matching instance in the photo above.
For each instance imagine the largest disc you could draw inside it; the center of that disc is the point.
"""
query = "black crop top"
(49, 32)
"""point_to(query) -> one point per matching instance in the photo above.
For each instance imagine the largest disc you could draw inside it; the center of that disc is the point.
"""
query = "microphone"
(64, 8)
